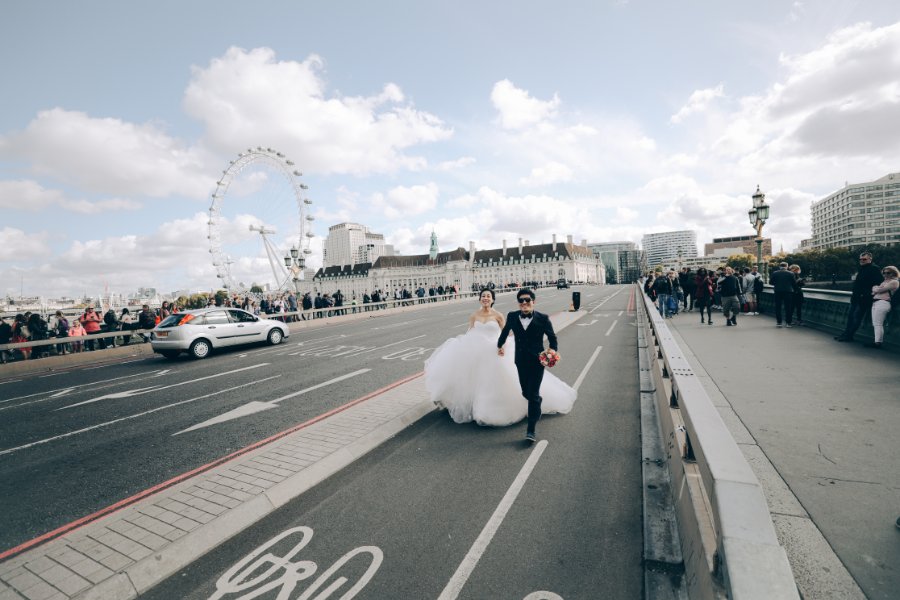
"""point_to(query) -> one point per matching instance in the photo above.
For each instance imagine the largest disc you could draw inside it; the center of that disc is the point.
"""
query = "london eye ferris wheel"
(260, 228)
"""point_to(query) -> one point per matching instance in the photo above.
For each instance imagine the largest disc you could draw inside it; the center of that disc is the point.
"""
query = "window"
(216, 317)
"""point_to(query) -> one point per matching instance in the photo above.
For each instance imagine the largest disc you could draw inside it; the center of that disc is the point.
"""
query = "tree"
(255, 289)
(221, 296)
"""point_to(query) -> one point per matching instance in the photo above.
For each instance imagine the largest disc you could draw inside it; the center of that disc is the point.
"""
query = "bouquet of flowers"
(549, 357)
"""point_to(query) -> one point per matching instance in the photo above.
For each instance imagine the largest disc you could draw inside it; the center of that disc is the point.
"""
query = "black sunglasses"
(524, 300)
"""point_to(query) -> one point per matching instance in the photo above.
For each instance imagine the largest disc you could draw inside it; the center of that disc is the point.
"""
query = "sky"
(480, 121)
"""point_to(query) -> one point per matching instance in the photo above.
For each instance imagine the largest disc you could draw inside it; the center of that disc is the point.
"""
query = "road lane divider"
(587, 367)
(470, 560)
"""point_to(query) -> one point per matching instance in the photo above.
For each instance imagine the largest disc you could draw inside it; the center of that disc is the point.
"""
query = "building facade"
(622, 260)
(352, 243)
(859, 214)
(745, 243)
(668, 247)
(465, 269)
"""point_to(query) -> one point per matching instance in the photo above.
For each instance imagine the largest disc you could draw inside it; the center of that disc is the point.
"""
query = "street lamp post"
(759, 214)
(295, 263)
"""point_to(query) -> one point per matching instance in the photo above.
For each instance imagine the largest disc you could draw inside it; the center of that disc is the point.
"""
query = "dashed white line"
(587, 367)
(608, 331)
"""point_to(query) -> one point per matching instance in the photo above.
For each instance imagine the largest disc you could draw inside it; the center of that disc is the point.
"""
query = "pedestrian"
(126, 321)
(91, 322)
(882, 302)
(748, 279)
(799, 284)
(529, 328)
(686, 281)
(868, 276)
(703, 292)
(111, 323)
(782, 282)
(77, 331)
(5, 337)
(61, 330)
(146, 320)
(662, 287)
(729, 287)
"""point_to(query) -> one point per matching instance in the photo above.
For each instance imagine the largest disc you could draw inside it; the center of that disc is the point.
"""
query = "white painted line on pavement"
(584, 371)
(137, 392)
(608, 331)
(621, 312)
(388, 345)
(605, 300)
(105, 381)
(147, 412)
(258, 406)
(330, 337)
(464, 571)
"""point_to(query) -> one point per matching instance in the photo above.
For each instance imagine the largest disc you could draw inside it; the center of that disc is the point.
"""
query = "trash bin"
(576, 300)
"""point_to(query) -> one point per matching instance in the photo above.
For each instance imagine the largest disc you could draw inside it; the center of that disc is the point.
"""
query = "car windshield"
(171, 320)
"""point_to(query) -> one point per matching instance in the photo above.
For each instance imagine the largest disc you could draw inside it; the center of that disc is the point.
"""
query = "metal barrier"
(727, 537)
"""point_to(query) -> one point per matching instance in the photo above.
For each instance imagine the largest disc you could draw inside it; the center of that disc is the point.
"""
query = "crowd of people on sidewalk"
(733, 293)
(33, 326)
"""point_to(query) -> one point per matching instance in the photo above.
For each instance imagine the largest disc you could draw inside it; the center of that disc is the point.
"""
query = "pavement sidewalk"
(139, 542)
(817, 421)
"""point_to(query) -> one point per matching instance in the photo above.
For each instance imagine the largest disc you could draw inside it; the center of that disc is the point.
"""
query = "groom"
(529, 328)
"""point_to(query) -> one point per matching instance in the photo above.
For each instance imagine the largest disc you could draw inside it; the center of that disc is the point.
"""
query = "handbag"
(672, 304)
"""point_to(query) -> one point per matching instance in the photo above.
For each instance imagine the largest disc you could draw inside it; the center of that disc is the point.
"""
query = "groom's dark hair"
(525, 292)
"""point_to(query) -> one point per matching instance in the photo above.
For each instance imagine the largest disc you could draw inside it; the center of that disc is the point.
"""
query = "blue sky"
(481, 121)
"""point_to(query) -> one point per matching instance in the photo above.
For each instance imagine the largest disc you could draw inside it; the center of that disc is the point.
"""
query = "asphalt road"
(461, 511)
(76, 442)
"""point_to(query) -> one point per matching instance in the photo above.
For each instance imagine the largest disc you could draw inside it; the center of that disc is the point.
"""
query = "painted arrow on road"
(256, 406)
(588, 324)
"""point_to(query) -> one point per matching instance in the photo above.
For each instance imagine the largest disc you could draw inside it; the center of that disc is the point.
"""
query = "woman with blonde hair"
(799, 284)
(881, 303)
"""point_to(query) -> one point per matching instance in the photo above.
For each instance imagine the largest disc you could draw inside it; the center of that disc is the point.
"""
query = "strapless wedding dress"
(466, 376)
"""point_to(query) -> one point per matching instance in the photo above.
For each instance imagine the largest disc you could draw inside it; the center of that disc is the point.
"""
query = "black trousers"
(531, 374)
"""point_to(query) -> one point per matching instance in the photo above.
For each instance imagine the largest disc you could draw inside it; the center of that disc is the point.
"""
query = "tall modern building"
(621, 259)
(352, 243)
(858, 214)
(668, 247)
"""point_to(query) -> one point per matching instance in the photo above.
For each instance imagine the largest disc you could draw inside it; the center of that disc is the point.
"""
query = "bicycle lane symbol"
(263, 570)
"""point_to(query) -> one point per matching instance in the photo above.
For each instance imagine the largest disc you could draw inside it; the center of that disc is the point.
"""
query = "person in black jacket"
(868, 276)
(730, 290)
(782, 282)
(529, 328)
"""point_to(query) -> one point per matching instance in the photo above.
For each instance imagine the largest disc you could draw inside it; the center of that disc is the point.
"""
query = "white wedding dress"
(466, 376)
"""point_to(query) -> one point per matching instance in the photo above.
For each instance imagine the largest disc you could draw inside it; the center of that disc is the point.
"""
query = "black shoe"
(702, 321)
(728, 323)
(529, 437)
(734, 321)
(876, 345)
(709, 322)
(841, 338)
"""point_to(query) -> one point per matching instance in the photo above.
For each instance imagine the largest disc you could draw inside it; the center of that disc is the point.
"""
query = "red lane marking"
(179, 478)
(631, 304)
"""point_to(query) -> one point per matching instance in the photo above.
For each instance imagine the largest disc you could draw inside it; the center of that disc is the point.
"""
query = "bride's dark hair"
(491, 292)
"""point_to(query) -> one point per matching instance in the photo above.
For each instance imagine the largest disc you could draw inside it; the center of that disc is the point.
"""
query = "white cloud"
(32, 196)
(109, 156)
(552, 172)
(518, 109)
(459, 163)
(245, 96)
(16, 245)
(699, 101)
(405, 201)
(626, 215)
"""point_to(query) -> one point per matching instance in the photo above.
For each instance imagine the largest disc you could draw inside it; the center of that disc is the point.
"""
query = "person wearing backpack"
(884, 300)
(111, 323)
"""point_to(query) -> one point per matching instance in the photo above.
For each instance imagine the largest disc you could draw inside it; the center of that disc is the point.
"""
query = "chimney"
(569, 239)
(520, 246)
(504, 247)
(471, 251)
(554, 243)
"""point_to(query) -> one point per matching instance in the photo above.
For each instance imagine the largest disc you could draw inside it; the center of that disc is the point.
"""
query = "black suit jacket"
(529, 342)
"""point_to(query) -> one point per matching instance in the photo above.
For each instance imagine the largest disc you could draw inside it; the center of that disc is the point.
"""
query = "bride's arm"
(472, 320)
(500, 320)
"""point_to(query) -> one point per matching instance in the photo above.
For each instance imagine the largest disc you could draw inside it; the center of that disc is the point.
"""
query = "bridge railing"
(726, 533)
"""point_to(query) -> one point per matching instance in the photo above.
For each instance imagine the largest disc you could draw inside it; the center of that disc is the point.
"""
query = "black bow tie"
(524, 316)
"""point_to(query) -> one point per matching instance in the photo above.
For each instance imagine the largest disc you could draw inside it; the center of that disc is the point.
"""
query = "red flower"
(549, 357)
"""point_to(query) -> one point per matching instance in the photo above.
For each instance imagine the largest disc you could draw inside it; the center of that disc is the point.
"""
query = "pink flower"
(549, 357)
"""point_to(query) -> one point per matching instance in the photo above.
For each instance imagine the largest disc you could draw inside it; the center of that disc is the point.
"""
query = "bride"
(467, 377)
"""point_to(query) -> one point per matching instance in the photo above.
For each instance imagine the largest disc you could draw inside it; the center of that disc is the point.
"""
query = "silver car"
(197, 332)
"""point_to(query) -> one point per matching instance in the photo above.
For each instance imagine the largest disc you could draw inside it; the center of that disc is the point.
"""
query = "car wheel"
(275, 336)
(170, 353)
(200, 349)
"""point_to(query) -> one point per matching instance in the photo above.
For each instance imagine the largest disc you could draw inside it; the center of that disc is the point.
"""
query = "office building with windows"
(352, 243)
(622, 260)
(669, 247)
(745, 243)
(858, 215)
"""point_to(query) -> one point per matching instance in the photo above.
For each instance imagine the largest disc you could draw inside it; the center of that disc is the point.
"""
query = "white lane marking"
(587, 367)
(147, 412)
(621, 312)
(608, 331)
(464, 571)
(543, 596)
(391, 344)
(588, 324)
(605, 300)
(311, 342)
(50, 375)
(105, 381)
(137, 392)
(400, 324)
(259, 406)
